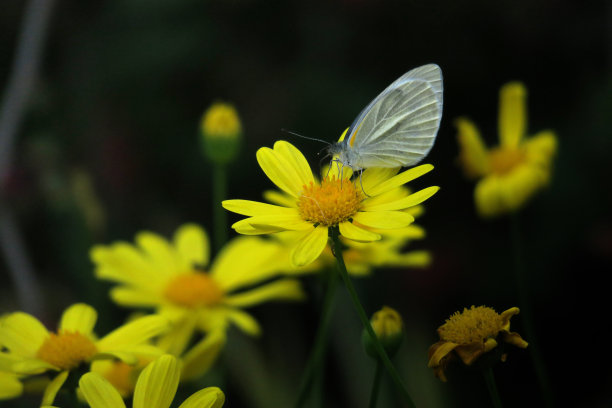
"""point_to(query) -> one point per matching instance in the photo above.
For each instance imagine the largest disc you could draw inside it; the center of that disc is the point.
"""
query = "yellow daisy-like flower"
(171, 278)
(155, 388)
(470, 334)
(375, 200)
(35, 350)
(511, 173)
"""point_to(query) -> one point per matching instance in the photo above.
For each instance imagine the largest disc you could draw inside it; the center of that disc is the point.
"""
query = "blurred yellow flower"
(470, 334)
(376, 200)
(171, 278)
(155, 388)
(10, 384)
(221, 132)
(35, 350)
(511, 173)
(195, 362)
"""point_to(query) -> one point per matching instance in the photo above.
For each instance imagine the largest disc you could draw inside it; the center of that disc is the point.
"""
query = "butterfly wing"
(399, 127)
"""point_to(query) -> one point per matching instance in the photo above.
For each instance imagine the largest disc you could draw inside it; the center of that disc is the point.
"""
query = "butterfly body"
(398, 128)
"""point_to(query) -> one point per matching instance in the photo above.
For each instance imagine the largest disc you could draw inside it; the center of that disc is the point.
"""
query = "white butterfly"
(399, 127)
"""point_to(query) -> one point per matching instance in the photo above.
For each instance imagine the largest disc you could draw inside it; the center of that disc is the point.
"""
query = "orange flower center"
(67, 349)
(123, 377)
(503, 160)
(472, 325)
(330, 203)
(194, 290)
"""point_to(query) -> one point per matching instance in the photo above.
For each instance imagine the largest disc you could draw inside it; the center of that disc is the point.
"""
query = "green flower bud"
(221, 132)
(388, 326)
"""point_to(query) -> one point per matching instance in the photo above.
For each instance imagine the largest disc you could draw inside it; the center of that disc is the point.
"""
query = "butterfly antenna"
(306, 137)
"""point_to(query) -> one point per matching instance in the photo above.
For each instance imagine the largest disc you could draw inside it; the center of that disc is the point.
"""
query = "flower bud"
(221, 132)
(388, 326)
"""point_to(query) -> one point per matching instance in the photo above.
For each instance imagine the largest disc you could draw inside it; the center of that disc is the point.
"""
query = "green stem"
(525, 306)
(315, 361)
(219, 213)
(382, 354)
(376, 384)
(490, 380)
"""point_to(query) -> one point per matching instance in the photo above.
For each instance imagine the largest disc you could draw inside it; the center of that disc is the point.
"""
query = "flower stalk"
(314, 366)
(376, 384)
(382, 354)
(487, 372)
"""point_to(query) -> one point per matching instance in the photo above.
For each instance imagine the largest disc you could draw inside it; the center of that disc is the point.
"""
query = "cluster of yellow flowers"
(195, 299)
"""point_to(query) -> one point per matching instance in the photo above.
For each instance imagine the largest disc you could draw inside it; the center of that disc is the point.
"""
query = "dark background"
(118, 100)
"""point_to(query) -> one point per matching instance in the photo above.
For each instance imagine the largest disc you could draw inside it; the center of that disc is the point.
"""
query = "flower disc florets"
(330, 203)
(67, 349)
(471, 325)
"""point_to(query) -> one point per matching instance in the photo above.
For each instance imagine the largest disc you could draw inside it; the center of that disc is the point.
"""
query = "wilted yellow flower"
(221, 132)
(470, 334)
(511, 173)
(172, 278)
(35, 350)
(376, 200)
(389, 328)
(155, 388)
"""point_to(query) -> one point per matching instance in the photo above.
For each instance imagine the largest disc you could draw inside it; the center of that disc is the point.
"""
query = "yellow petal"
(278, 198)
(134, 332)
(252, 208)
(296, 159)
(244, 261)
(506, 315)
(512, 114)
(192, 244)
(438, 351)
(157, 383)
(291, 222)
(244, 321)
(310, 247)
(22, 334)
(99, 393)
(243, 227)
(473, 155)
(351, 231)
(53, 388)
(130, 297)
(79, 318)
(284, 289)
(374, 176)
(541, 147)
(399, 180)
(175, 341)
(403, 203)
(514, 339)
(210, 397)
(384, 219)
(120, 262)
(198, 360)
(159, 252)
(10, 386)
(280, 171)
(32, 366)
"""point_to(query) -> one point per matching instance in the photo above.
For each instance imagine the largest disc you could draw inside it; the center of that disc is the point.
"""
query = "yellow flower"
(511, 173)
(155, 388)
(375, 200)
(221, 133)
(470, 334)
(171, 278)
(36, 350)
(10, 384)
